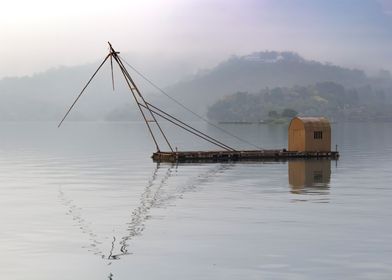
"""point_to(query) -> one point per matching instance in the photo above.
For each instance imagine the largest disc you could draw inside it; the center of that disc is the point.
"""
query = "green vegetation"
(280, 104)
(273, 81)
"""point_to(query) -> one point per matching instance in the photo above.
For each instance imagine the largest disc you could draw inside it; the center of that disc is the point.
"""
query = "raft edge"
(254, 155)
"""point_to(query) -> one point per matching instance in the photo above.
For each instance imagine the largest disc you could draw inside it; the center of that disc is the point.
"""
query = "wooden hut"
(309, 134)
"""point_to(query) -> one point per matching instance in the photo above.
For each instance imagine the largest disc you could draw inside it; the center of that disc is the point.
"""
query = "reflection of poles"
(112, 248)
(154, 198)
(150, 198)
(140, 214)
(76, 215)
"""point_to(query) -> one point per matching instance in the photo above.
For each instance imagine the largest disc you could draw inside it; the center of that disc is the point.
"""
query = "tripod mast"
(147, 110)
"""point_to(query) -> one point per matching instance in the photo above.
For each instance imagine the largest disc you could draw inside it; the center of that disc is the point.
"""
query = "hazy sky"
(40, 34)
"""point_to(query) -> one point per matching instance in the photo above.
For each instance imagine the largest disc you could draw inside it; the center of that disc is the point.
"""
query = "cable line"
(186, 108)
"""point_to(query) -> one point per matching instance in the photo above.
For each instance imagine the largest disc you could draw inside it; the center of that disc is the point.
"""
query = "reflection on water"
(310, 176)
(191, 221)
(154, 195)
(151, 197)
(84, 225)
(305, 177)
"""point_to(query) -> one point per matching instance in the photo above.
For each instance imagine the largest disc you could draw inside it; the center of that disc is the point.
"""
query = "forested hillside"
(327, 99)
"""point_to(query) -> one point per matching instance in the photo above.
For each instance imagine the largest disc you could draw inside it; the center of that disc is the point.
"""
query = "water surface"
(87, 202)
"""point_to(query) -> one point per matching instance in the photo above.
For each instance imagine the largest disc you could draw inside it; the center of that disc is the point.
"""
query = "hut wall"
(322, 144)
(309, 135)
(296, 135)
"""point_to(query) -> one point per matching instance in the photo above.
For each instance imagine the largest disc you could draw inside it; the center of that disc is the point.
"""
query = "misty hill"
(47, 95)
(326, 99)
(256, 71)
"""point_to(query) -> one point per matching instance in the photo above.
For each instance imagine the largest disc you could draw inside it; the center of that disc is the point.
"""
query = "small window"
(318, 135)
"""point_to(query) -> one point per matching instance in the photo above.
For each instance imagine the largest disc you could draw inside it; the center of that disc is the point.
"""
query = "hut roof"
(315, 122)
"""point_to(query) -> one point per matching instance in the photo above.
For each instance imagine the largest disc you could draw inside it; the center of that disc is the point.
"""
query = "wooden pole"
(80, 94)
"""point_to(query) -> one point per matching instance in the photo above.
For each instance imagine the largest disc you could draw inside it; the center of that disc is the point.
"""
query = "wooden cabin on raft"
(309, 134)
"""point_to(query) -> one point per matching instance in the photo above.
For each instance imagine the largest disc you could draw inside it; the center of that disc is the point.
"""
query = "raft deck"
(216, 156)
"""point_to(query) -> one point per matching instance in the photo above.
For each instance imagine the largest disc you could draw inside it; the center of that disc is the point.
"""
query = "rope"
(186, 108)
(189, 129)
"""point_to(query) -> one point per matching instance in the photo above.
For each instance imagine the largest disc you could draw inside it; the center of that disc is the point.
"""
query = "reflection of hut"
(309, 134)
(309, 174)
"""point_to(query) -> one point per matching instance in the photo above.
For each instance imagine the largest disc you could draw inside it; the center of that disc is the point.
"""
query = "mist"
(51, 49)
(201, 33)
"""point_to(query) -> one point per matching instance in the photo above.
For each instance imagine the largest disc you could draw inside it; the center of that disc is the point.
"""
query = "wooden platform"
(254, 155)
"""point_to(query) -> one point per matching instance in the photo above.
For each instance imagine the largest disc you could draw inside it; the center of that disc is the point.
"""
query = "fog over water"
(198, 51)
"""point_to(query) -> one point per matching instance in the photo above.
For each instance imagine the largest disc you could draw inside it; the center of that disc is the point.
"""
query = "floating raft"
(239, 155)
(312, 131)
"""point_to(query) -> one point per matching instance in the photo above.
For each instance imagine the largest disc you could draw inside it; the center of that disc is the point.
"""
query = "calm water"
(87, 202)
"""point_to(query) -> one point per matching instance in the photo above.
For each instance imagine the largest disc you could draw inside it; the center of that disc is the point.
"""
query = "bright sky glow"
(37, 35)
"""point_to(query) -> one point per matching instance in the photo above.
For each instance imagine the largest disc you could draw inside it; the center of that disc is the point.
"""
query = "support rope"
(186, 108)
